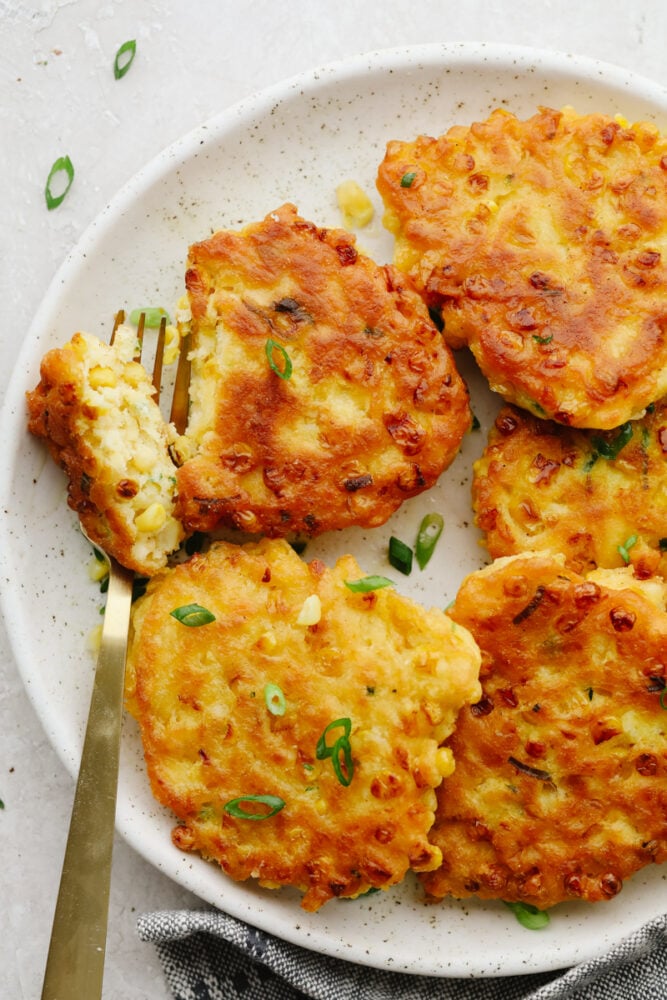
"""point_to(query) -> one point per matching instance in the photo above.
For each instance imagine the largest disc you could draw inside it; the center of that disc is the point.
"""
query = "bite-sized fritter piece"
(544, 242)
(560, 788)
(328, 704)
(598, 497)
(322, 395)
(94, 406)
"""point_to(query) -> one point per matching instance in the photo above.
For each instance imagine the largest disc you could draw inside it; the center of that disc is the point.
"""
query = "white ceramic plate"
(295, 142)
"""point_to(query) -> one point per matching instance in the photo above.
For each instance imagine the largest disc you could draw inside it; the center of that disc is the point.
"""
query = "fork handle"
(75, 963)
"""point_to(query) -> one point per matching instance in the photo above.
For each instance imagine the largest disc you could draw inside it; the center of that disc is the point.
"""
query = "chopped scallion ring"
(429, 532)
(124, 58)
(323, 749)
(663, 698)
(285, 371)
(528, 915)
(624, 549)
(341, 758)
(400, 555)
(274, 699)
(237, 807)
(368, 583)
(192, 615)
(407, 180)
(63, 165)
(153, 316)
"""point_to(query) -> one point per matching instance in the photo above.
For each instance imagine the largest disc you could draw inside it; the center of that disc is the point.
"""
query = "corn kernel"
(97, 569)
(100, 377)
(95, 638)
(445, 761)
(354, 203)
(151, 519)
(267, 642)
(311, 611)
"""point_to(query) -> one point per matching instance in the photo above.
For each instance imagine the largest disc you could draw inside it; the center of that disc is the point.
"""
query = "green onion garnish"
(341, 758)
(153, 316)
(192, 615)
(543, 340)
(323, 749)
(367, 583)
(624, 549)
(427, 537)
(340, 750)
(408, 179)
(400, 555)
(609, 449)
(62, 165)
(286, 370)
(663, 699)
(124, 58)
(528, 915)
(236, 807)
(274, 699)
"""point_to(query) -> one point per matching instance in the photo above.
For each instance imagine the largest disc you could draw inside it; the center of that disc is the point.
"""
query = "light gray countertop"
(58, 94)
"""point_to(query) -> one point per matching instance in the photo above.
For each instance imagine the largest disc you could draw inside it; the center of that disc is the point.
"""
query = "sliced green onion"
(663, 699)
(367, 583)
(407, 180)
(340, 750)
(274, 699)
(121, 64)
(192, 615)
(153, 316)
(62, 165)
(286, 370)
(609, 449)
(236, 807)
(400, 555)
(528, 915)
(341, 758)
(543, 340)
(624, 549)
(427, 537)
(323, 749)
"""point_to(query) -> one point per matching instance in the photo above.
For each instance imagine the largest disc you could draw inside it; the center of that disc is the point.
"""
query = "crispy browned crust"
(560, 787)
(399, 673)
(545, 244)
(374, 409)
(542, 486)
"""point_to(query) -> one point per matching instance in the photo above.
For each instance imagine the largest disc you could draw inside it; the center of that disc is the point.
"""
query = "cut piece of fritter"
(598, 497)
(544, 243)
(328, 704)
(560, 788)
(322, 395)
(94, 406)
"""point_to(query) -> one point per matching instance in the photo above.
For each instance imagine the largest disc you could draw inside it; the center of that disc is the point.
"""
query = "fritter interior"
(375, 665)
(544, 244)
(94, 407)
(560, 789)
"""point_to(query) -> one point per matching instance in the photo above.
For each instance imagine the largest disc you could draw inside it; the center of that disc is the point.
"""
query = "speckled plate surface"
(295, 142)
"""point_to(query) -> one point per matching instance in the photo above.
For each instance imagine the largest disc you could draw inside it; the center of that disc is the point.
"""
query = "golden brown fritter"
(94, 407)
(389, 675)
(322, 394)
(544, 242)
(560, 787)
(598, 497)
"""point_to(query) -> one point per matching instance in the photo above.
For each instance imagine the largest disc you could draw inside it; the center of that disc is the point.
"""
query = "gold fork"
(75, 962)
